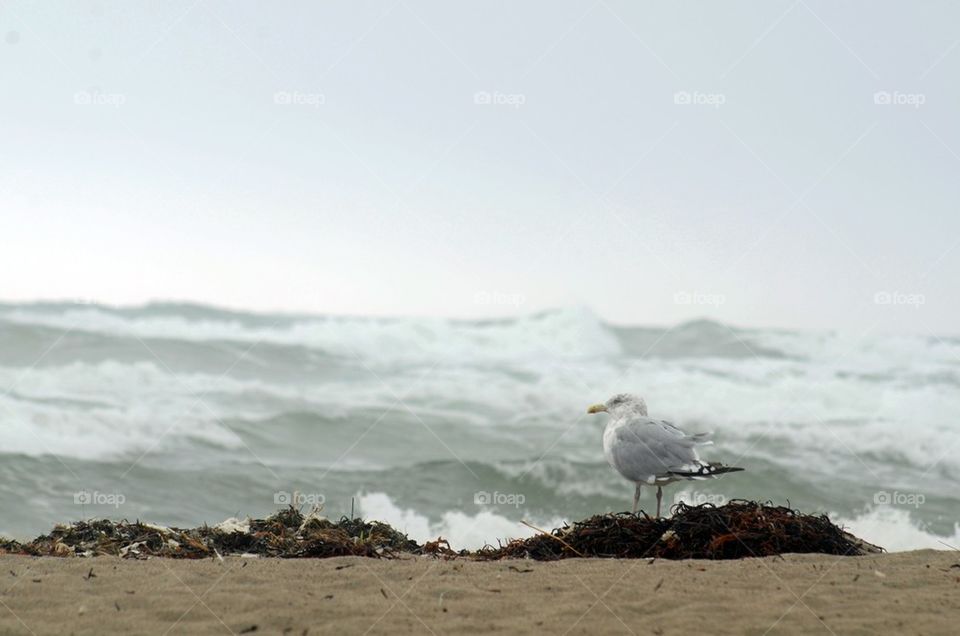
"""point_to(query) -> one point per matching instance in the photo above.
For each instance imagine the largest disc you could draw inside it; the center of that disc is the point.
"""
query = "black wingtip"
(706, 471)
(719, 470)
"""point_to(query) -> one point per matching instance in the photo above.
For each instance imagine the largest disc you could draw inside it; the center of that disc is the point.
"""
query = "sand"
(902, 593)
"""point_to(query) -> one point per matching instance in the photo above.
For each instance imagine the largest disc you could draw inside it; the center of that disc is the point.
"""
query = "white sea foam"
(557, 334)
(108, 409)
(894, 530)
(462, 530)
(100, 409)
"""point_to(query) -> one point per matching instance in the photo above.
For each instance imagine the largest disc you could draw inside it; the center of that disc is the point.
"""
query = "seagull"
(649, 451)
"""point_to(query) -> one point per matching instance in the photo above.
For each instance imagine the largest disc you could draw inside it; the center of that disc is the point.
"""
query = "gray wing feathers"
(646, 449)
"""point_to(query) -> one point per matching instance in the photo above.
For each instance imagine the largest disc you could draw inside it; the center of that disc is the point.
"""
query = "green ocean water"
(184, 414)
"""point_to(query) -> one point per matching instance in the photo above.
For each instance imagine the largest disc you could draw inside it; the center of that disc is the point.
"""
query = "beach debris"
(735, 530)
(286, 534)
(440, 547)
(12, 547)
(232, 525)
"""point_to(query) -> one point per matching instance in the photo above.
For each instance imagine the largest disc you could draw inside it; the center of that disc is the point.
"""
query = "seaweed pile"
(287, 534)
(733, 531)
(10, 547)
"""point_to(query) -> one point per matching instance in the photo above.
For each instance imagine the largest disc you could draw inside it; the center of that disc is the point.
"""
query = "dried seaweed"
(287, 534)
(733, 531)
(8, 546)
(736, 530)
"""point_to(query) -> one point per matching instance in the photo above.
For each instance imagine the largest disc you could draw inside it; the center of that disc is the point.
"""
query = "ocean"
(183, 414)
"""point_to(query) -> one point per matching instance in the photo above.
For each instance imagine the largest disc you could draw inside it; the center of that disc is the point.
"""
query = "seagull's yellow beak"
(597, 408)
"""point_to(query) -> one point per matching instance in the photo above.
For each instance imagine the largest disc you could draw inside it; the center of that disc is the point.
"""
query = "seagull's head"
(619, 404)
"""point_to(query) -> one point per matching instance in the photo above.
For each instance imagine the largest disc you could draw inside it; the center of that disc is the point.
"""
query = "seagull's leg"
(659, 497)
(636, 498)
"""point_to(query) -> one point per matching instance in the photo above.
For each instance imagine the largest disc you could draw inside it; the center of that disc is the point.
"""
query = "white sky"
(384, 188)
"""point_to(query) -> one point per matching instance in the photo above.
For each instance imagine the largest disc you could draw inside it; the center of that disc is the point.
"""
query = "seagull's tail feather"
(703, 470)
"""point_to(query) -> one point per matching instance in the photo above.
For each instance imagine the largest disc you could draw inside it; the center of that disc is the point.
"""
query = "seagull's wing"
(648, 450)
(698, 439)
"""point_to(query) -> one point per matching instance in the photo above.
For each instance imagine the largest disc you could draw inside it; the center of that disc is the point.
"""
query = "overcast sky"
(769, 163)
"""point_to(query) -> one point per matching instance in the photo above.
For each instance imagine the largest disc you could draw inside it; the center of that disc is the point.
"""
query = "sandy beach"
(422, 317)
(902, 593)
